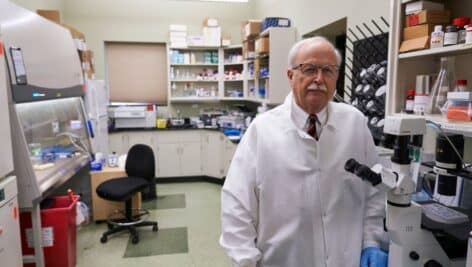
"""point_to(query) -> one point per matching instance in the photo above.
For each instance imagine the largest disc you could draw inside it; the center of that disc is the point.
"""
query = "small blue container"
(275, 22)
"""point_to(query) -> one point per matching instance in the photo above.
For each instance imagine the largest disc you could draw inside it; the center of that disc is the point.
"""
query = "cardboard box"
(428, 17)
(262, 45)
(86, 56)
(210, 22)
(414, 7)
(212, 36)
(252, 28)
(415, 44)
(226, 40)
(195, 40)
(417, 31)
(76, 34)
(249, 49)
(52, 15)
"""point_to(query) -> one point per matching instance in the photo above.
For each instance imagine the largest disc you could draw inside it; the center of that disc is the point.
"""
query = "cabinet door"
(140, 138)
(168, 160)
(118, 143)
(190, 159)
(230, 148)
(213, 154)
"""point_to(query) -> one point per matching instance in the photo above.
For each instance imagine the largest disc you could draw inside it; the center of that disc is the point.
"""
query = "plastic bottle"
(437, 37)
(468, 37)
(410, 101)
(441, 87)
(461, 86)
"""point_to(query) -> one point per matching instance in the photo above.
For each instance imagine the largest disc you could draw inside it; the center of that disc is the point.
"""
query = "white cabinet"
(121, 142)
(168, 160)
(403, 67)
(181, 152)
(213, 153)
(178, 153)
(271, 83)
(229, 149)
(118, 143)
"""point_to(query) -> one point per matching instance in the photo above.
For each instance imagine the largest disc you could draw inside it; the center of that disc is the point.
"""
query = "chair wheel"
(103, 239)
(155, 228)
(135, 239)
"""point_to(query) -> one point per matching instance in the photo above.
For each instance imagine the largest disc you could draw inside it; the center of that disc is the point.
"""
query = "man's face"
(313, 76)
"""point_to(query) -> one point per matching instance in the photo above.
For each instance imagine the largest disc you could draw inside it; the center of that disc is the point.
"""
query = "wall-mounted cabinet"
(404, 67)
(194, 73)
(270, 65)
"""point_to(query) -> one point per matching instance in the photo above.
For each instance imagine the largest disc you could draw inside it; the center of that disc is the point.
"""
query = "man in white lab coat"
(287, 200)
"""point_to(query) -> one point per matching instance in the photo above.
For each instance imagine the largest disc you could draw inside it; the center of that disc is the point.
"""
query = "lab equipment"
(44, 93)
(441, 87)
(421, 233)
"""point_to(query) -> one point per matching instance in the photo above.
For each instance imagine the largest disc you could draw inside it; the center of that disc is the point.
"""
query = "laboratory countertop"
(161, 129)
(235, 141)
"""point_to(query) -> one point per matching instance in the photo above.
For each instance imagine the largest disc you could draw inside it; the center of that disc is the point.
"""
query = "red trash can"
(59, 232)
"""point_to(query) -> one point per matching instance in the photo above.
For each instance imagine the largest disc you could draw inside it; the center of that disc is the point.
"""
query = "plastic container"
(459, 106)
(437, 37)
(59, 232)
(468, 37)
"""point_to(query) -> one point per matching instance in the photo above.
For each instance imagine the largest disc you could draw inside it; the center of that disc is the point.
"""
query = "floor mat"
(174, 201)
(165, 241)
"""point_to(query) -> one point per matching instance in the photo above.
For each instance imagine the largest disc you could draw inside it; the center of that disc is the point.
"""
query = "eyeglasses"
(309, 69)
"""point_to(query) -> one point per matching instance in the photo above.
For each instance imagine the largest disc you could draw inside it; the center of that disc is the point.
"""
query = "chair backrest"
(140, 162)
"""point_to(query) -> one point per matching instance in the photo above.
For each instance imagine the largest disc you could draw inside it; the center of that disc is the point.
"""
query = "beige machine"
(10, 246)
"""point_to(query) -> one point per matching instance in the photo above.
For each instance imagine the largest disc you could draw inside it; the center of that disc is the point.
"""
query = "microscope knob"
(432, 263)
(414, 256)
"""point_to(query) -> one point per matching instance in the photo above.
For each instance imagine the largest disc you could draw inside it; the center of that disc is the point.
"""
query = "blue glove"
(374, 257)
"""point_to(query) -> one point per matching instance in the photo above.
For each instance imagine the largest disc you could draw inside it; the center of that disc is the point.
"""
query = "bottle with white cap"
(437, 37)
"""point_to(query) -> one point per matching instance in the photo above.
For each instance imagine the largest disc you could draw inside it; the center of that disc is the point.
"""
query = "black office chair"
(140, 170)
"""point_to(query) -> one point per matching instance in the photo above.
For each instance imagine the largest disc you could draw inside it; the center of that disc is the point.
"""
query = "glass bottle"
(441, 87)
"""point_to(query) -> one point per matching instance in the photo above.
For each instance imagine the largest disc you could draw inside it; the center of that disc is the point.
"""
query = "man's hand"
(374, 257)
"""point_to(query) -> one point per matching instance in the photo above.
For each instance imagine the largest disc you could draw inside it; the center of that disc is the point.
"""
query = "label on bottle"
(409, 105)
(462, 35)
(450, 38)
(437, 39)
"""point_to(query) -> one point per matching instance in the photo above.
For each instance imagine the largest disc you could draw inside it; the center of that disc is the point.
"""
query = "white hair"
(296, 48)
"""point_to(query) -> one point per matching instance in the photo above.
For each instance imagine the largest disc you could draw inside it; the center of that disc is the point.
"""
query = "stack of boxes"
(85, 55)
(420, 19)
(178, 35)
(249, 32)
(211, 32)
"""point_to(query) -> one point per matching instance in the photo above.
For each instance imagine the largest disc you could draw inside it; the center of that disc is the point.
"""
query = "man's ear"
(290, 74)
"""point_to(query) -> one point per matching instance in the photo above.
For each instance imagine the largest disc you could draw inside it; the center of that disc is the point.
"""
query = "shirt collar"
(300, 117)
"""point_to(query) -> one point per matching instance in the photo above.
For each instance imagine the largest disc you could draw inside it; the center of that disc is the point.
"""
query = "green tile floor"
(194, 226)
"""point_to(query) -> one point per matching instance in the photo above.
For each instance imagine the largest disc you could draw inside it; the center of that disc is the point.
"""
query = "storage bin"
(59, 232)
(275, 22)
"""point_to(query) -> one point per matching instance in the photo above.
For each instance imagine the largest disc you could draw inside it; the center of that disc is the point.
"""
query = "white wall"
(33, 5)
(147, 20)
(309, 15)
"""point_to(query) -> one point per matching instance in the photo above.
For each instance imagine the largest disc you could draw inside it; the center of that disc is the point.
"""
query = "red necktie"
(312, 120)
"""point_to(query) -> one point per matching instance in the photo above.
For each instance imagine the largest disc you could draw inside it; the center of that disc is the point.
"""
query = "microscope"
(422, 234)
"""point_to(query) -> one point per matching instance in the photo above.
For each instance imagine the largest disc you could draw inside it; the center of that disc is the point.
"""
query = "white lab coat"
(287, 200)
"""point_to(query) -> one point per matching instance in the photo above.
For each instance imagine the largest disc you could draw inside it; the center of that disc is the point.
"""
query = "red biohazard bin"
(59, 232)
